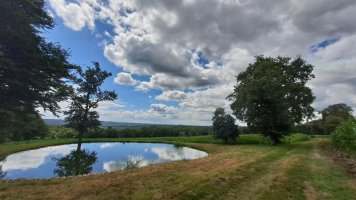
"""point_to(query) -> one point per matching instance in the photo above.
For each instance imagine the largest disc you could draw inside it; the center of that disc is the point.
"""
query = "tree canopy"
(224, 127)
(271, 95)
(33, 72)
(338, 110)
(86, 97)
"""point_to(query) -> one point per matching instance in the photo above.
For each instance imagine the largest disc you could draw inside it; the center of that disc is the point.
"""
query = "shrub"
(67, 133)
(344, 137)
(296, 138)
(331, 122)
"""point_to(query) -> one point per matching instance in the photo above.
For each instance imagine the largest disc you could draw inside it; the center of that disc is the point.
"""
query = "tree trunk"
(79, 146)
(274, 139)
(80, 138)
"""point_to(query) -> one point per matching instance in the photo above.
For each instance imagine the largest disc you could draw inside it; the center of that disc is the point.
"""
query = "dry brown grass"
(229, 172)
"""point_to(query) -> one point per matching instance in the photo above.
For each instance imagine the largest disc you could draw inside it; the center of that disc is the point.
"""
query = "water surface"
(68, 160)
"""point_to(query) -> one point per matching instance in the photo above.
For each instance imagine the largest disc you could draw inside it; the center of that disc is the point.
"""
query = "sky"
(175, 62)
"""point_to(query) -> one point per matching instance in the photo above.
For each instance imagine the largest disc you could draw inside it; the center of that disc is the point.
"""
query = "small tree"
(272, 96)
(86, 97)
(224, 126)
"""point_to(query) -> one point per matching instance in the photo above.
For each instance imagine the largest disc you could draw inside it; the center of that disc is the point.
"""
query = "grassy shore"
(13, 147)
(290, 171)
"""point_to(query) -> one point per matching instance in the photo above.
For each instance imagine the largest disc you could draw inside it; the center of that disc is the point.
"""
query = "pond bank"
(293, 171)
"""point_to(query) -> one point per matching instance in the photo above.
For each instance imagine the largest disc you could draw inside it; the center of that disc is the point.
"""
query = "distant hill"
(118, 124)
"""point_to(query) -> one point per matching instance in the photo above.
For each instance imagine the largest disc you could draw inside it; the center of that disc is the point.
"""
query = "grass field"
(298, 170)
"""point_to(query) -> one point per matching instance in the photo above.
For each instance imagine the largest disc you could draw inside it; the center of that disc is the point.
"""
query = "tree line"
(147, 131)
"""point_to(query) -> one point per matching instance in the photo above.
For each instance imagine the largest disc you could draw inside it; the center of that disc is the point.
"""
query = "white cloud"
(34, 158)
(124, 78)
(157, 38)
(75, 16)
(107, 145)
(172, 96)
(50, 14)
(171, 154)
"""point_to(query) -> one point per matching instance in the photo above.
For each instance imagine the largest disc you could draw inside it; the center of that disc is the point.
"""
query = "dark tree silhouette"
(33, 72)
(87, 97)
(2, 174)
(76, 163)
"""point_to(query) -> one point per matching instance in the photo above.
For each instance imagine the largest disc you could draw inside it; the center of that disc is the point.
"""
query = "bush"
(331, 122)
(344, 137)
(296, 138)
(67, 133)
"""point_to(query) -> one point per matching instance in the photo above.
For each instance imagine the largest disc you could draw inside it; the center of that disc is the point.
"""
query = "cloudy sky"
(174, 62)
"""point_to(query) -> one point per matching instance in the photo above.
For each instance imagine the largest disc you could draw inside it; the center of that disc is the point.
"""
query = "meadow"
(248, 169)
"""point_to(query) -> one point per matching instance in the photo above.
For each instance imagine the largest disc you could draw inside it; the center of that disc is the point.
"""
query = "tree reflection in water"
(2, 174)
(78, 162)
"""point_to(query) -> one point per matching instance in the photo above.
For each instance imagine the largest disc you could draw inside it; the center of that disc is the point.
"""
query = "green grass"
(13, 147)
(298, 170)
(296, 138)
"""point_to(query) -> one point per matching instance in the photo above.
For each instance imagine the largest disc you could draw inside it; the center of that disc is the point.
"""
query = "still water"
(72, 159)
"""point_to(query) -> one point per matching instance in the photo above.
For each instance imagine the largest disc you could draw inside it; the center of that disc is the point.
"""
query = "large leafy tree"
(334, 115)
(224, 126)
(271, 95)
(338, 110)
(33, 72)
(85, 98)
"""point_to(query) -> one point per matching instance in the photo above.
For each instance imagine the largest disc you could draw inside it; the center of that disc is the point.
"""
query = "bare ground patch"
(344, 160)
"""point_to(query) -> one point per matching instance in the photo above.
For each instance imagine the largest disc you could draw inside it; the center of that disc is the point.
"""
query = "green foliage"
(67, 133)
(271, 95)
(344, 137)
(331, 122)
(332, 116)
(33, 73)
(87, 97)
(296, 138)
(182, 134)
(340, 110)
(224, 126)
(244, 130)
(25, 127)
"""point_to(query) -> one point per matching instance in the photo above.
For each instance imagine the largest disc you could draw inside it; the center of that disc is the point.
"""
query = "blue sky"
(174, 62)
(85, 48)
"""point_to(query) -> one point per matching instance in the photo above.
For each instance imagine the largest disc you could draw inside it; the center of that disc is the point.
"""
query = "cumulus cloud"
(167, 40)
(162, 108)
(172, 96)
(75, 16)
(124, 78)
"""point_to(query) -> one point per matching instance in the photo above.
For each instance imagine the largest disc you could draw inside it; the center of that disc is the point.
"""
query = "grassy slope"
(289, 171)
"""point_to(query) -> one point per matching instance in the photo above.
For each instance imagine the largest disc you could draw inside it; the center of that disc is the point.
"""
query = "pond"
(74, 159)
